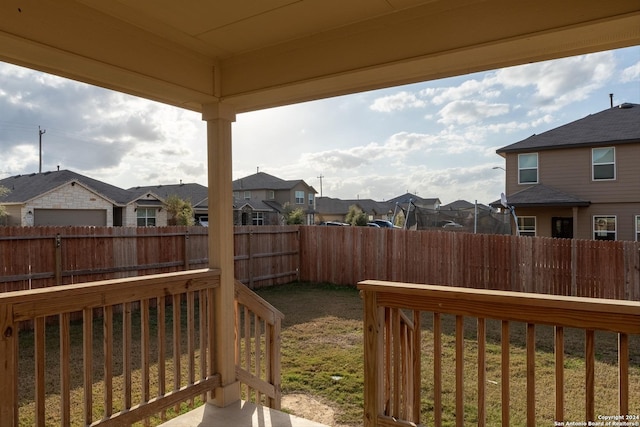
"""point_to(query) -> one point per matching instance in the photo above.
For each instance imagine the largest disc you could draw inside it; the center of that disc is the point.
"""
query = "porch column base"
(226, 395)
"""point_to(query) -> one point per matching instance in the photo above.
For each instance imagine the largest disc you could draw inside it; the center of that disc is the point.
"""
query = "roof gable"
(197, 194)
(28, 187)
(264, 181)
(620, 124)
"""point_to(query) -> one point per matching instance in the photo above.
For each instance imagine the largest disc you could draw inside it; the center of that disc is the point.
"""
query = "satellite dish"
(503, 200)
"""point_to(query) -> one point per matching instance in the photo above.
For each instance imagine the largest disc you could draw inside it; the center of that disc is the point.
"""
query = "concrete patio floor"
(239, 414)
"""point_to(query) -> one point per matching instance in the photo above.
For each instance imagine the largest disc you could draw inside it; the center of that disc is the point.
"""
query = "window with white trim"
(637, 228)
(146, 217)
(247, 195)
(603, 162)
(258, 218)
(271, 194)
(310, 199)
(527, 225)
(299, 197)
(604, 227)
(528, 168)
(236, 194)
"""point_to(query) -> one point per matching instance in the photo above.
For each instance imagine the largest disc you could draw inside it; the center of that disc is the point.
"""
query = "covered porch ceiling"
(263, 53)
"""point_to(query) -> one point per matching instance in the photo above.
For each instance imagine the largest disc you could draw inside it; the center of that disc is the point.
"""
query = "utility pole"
(41, 132)
(320, 177)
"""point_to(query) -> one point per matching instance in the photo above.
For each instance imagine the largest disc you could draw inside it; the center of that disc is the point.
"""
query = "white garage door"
(95, 217)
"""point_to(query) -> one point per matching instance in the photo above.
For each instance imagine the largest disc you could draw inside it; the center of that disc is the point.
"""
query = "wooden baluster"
(590, 363)
(482, 372)
(559, 352)
(177, 337)
(107, 345)
(40, 354)
(531, 374)
(459, 371)
(65, 369)
(623, 373)
(417, 366)
(505, 349)
(87, 356)
(437, 369)
(145, 347)
(191, 340)
(162, 351)
(127, 350)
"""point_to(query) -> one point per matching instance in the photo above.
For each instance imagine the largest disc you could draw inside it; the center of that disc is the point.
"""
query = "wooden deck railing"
(143, 347)
(395, 383)
(258, 326)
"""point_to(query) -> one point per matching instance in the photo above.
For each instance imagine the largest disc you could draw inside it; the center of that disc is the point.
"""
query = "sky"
(435, 139)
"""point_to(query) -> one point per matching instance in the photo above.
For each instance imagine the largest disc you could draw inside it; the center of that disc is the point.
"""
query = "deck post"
(373, 358)
(8, 366)
(219, 118)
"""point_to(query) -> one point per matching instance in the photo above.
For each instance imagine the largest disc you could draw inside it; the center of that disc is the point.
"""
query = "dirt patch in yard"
(310, 408)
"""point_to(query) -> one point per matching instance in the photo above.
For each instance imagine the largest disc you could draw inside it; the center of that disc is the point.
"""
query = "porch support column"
(219, 118)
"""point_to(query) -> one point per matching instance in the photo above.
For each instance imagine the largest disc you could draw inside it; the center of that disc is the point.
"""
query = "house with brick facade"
(65, 197)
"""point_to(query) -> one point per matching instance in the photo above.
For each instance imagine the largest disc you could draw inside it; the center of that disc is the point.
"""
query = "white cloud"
(468, 89)
(467, 112)
(631, 74)
(397, 102)
(561, 82)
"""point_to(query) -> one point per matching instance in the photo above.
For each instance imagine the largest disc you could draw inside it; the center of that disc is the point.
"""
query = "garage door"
(95, 217)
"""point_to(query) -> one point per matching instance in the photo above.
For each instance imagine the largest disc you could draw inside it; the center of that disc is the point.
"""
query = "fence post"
(8, 366)
(574, 268)
(186, 250)
(250, 258)
(58, 266)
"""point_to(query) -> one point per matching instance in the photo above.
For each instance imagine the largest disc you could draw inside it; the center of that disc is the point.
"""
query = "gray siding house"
(580, 180)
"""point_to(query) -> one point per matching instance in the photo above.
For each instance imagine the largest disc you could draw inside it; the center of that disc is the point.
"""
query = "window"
(637, 228)
(528, 168)
(604, 163)
(247, 195)
(299, 197)
(258, 218)
(310, 199)
(271, 194)
(527, 225)
(604, 228)
(146, 217)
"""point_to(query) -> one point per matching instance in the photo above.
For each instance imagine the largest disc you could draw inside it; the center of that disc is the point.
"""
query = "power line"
(40, 133)
(320, 177)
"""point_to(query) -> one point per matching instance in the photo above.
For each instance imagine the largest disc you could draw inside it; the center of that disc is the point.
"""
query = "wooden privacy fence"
(35, 257)
(588, 268)
(38, 257)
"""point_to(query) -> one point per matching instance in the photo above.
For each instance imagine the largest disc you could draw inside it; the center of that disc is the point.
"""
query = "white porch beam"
(219, 118)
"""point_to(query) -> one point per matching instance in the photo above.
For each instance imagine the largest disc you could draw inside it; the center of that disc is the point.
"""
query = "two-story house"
(580, 180)
(261, 199)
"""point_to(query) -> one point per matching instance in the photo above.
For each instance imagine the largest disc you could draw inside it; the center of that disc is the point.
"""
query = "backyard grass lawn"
(322, 357)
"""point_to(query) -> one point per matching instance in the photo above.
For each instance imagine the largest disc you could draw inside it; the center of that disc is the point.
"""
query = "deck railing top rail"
(393, 355)
(585, 313)
(34, 303)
